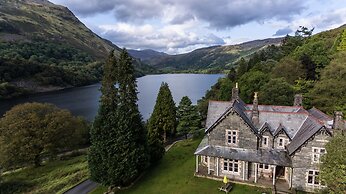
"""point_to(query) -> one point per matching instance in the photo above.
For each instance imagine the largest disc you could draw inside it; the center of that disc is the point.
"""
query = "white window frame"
(231, 166)
(316, 154)
(285, 141)
(267, 140)
(264, 167)
(205, 159)
(233, 136)
(314, 174)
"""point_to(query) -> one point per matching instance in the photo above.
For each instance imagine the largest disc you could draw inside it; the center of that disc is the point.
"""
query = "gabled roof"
(266, 127)
(215, 110)
(283, 129)
(239, 109)
(309, 128)
(297, 123)
(319, 114)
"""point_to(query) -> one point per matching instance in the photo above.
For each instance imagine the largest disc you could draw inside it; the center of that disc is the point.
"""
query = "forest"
(25, 66)
(312, 65)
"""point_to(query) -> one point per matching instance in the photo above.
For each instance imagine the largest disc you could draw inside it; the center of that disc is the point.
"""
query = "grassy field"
(53, 177)
(174, 175)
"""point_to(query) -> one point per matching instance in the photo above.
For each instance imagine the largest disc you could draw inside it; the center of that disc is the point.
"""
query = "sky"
(179, 26)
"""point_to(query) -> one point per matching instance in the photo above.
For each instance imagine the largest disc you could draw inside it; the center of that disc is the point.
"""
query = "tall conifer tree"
(161, 122)
(118, 152)
(188, 117)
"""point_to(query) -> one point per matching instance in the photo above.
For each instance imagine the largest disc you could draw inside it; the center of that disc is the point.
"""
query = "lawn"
(53, 177)
(174, 175)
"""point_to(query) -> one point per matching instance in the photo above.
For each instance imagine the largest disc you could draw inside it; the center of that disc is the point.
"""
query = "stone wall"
(276, 140)
(302, 162)
(246, 138)
(270, 140)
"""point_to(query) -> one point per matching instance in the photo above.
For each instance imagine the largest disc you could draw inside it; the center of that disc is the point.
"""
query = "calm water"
(84, 100)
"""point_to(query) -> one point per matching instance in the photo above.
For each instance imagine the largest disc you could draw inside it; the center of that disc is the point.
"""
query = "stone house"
(265, 144)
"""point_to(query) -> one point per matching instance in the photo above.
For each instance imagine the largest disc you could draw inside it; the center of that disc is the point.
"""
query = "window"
(232, 137)
(313, 179)
(231, 166)
(282, 142)
(265, 142)
(264, 166)
(205, 159)
(317, 153)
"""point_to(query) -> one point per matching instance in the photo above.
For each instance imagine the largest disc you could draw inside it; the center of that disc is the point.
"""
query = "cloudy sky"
(178, 26)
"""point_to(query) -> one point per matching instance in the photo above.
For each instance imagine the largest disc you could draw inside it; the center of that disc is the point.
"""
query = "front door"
(250, 166)
(280, 172)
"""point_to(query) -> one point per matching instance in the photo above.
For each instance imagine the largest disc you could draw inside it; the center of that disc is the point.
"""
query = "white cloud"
(170, 38)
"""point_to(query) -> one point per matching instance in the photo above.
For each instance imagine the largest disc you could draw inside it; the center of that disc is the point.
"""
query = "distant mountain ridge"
(207, 59)
(146, 54)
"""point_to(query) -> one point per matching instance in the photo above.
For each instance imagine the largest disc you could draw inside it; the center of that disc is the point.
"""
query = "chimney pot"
(298, 100)
(338, 122)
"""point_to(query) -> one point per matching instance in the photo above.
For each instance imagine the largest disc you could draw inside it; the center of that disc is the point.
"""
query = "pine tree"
(119, 150)
(161, 122)
(188, 117)
(242, 67)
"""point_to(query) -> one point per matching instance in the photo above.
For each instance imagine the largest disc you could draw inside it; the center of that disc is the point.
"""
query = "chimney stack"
(235, 92)
(298, 100)
(255, 112)
(338, 122)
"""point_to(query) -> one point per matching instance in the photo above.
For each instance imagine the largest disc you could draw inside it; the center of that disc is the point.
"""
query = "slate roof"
(215, 110)
(273, 157)
(309, 128)
(238, 107)
(296, 122)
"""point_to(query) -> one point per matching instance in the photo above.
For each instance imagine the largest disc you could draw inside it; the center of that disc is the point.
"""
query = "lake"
(83, 101)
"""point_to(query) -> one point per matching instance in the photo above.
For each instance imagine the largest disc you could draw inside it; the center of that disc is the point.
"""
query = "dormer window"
(282, 142)
(265, 141)
(232, 137)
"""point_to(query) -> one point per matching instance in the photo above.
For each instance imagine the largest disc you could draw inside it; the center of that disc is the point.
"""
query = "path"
(88, 185)
(83, 188)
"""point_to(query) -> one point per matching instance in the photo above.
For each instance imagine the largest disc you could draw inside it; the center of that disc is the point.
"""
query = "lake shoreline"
(84, 100)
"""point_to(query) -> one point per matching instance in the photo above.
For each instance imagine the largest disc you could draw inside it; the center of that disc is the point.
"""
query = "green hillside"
(210, 59)
(44, 47)
(314, 66)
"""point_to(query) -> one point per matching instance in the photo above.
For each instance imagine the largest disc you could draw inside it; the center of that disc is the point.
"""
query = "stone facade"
(246, 138)
(281, 143)
(302, 162)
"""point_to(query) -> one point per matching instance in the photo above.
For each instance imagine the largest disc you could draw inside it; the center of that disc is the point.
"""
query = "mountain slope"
(44, 47)
(31, 20)
(210, 58)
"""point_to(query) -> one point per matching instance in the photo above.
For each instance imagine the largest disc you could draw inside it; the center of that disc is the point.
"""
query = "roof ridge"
(280, 112)
(300, 127)
(274, 105)
(220, 101)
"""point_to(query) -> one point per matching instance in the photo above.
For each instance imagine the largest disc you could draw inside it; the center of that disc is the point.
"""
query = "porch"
(276, 181)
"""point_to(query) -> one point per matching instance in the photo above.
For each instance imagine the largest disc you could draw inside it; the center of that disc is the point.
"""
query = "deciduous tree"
(333, 168)
(276, 92)
(31, 131)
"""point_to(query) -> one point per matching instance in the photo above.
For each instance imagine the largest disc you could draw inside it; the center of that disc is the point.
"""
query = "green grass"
(174, 175)
(53, 177)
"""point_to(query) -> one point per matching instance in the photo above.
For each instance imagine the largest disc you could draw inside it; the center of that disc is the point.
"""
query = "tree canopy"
(161, 122)
(333, 168)
(32, 131)
(189, 120)
(118, 152)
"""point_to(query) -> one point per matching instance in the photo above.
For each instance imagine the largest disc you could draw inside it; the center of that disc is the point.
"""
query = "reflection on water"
(84, 100)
